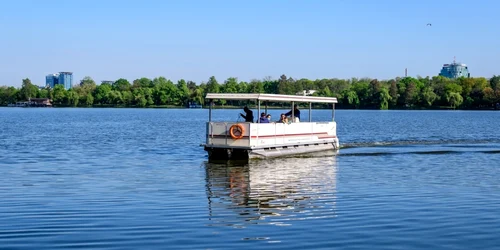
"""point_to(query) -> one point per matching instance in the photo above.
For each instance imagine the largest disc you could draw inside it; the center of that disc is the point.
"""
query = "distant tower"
(406, 72)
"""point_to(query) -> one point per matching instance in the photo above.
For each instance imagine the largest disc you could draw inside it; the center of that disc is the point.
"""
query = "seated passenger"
(263, 118)
(269, 117)
(283, 119)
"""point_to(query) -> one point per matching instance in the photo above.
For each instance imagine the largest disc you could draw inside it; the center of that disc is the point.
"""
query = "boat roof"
(271, 97)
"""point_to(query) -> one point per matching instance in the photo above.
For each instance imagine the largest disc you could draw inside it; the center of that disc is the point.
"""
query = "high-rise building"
(455, 70)
(108, 82)
(63, 78)
(51, 80)
(66, 79)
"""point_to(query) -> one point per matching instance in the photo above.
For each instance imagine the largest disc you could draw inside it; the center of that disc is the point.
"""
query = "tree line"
(364, 93)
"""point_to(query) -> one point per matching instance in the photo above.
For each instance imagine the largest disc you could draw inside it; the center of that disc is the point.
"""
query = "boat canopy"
(271, 97)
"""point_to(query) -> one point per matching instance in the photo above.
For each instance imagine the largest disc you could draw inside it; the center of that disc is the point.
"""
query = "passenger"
(283, 119)
(263, 118)
(248, 114)
(296, 113)
(268, 117)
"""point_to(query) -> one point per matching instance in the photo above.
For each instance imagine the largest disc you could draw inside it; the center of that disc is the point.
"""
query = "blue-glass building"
(63, 78)
(455, 70)
(66, 79)
(51, 80)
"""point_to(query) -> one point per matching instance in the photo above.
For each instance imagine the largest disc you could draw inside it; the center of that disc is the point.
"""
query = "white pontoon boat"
(246, 140)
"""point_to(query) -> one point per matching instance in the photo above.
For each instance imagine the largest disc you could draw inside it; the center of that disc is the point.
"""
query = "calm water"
(138, 179)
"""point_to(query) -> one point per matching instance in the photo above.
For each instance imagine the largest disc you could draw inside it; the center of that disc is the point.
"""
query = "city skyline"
(195, 40)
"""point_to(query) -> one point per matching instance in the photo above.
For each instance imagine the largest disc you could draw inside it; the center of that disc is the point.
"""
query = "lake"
(138, 179)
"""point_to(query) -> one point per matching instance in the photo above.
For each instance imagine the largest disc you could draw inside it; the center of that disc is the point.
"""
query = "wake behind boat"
(248, 140)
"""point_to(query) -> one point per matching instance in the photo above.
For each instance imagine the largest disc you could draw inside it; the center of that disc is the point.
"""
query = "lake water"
(138, 179)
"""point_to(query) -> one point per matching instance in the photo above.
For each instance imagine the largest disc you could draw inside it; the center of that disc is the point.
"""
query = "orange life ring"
(236, 131)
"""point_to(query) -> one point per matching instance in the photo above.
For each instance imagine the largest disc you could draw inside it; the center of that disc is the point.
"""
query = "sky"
(196, 39)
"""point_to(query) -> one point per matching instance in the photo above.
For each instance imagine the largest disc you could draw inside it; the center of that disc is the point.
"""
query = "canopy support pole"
(310, 112)
(258, 111)
(333, 111)
(210, 110)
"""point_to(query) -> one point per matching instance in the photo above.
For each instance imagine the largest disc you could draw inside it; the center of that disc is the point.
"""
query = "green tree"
(72, 98)
(89, 100)
(393, 91)
(60, 94)
(454, 99)
(28, 90)
(230, 85)
(495, 82)
(384, 98)
(212, 85)
(182, 92)
(428, 96)
(102, 94)
(142, 83)
(121, 85)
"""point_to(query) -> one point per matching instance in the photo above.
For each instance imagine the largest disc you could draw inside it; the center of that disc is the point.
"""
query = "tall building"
(63, 78)
(108, 82)
(455, 70)
(66, 79)
(51, 80)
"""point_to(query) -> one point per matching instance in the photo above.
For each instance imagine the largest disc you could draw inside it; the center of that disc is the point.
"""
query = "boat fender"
(236, 131)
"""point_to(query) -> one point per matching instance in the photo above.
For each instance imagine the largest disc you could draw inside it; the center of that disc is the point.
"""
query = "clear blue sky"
(196, 39)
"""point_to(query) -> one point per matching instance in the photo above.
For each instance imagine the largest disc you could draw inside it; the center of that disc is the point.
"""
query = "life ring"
(236, 131)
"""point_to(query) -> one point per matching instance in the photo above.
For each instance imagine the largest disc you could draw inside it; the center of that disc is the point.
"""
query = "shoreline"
(262, 108)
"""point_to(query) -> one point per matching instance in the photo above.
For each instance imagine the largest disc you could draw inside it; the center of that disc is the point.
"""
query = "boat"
(227, 140)
(194, 105)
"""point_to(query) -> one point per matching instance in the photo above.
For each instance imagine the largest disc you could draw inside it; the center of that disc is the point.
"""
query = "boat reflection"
(273, 191)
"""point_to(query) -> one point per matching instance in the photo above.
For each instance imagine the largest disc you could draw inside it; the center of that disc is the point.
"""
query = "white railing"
(261, 134)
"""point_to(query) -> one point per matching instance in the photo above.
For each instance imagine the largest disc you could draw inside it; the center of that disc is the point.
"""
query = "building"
(306, 92)
(63, 78)
(108, 82)
(66, 79)
(455, 70)
(51, 80)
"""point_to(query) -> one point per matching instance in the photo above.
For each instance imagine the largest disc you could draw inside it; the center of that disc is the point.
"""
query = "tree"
(393, 92)
(255, 86)
(182, 91)
(384, 98)
(121, 85)
(212, 85)
(142, 83)
(428, 96)
(88, 81)
(28, 90)
(89, 100)
(230, 85)
(191, 85)
(60, 94)
(454, 99)
(102, 93)
(72, 98)
(495, 82)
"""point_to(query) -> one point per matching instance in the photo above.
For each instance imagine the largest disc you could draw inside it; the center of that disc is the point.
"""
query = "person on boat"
(263, 118)
(268, 116)
(283, 119)
(296, 113)
(248, 114)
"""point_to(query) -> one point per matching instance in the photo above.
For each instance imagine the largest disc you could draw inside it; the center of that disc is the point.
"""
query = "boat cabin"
(247, 140)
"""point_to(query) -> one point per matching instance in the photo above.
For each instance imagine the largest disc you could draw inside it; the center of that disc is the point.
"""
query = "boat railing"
(259, 134)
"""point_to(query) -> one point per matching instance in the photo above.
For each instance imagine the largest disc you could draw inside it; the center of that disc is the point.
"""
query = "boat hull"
(223, 153)
(269, 140)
